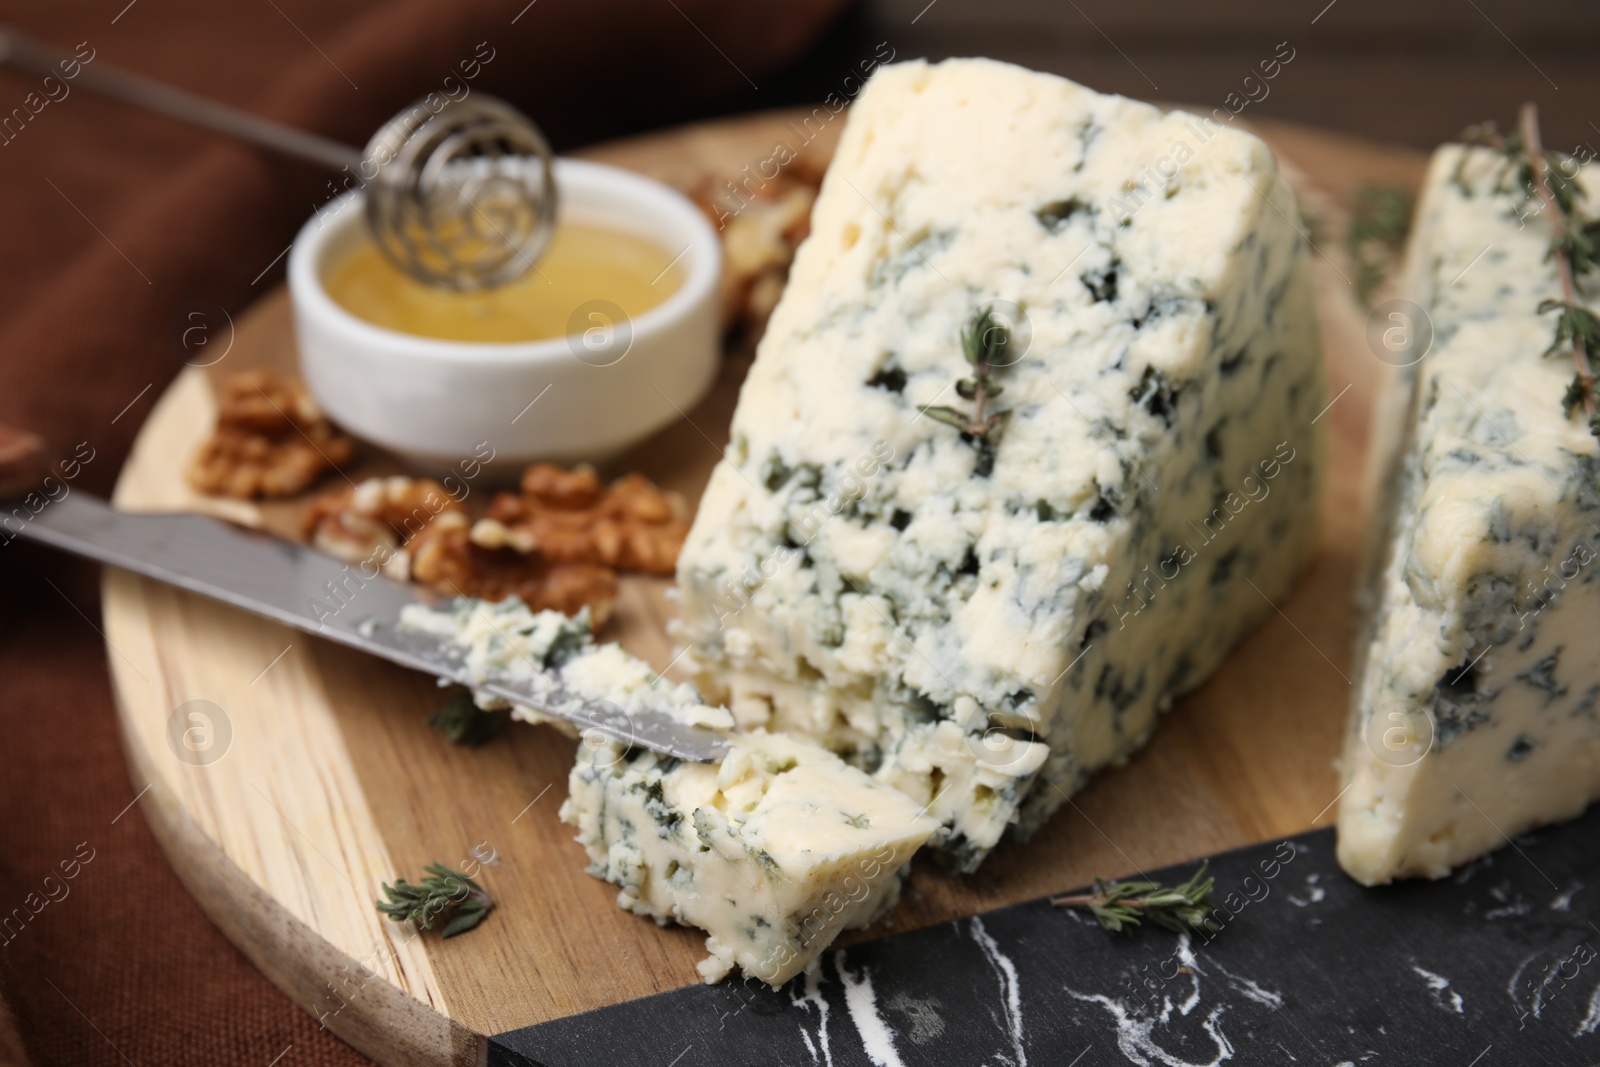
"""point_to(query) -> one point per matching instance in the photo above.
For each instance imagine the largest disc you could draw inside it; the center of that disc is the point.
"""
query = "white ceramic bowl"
(582, 397)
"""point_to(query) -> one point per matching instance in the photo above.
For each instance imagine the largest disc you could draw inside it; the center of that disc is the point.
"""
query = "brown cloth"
(116, 225)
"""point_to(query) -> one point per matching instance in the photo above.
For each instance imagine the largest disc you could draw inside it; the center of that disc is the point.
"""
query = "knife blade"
(300, 587)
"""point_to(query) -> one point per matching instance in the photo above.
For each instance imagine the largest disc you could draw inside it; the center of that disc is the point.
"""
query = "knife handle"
(22, 461)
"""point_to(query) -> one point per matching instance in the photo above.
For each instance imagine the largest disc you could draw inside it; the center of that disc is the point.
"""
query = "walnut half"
(568, 517)
(371, 521)
(761, 222)
(413, 529)
(444, 558)
(271, 440)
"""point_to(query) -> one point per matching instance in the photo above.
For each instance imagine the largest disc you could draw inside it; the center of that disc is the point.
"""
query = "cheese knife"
(298, 586)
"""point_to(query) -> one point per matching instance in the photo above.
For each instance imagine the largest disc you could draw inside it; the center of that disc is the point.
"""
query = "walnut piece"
(371, 521)
(761, 223)
(567, 517)
(271, 440)
(444, 558)
(413, 529)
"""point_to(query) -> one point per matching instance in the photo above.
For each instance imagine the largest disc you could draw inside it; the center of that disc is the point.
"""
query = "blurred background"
(1400, 71)
(1408, 71)
(1413, 72)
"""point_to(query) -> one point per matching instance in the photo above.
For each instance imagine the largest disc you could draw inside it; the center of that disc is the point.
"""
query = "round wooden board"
(330, 782)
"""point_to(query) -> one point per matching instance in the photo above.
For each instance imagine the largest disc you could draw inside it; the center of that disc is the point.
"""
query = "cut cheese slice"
(773, 853)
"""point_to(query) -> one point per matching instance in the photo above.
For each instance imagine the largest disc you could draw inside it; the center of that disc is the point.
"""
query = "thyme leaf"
(986, 344)
(445, 894)
(1380, 219)
(464, 723)
(1120, 906)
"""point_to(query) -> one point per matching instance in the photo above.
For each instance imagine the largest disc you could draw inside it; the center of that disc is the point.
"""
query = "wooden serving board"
(322, 779)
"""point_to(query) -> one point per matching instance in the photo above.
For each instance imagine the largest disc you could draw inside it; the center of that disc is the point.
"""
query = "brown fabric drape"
(116, 223)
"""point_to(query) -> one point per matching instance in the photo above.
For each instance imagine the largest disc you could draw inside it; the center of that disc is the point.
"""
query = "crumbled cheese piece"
(556, 655)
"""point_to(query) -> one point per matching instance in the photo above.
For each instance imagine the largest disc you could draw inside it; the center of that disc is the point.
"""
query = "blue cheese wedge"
(985, 625)
(1475, 717)
(773, 853)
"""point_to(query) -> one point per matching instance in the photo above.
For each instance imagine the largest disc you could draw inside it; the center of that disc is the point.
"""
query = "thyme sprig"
(1120, 906)
(444, 894)
(1574, 246)
(986, 343)
(464, 723)
(1380, 220)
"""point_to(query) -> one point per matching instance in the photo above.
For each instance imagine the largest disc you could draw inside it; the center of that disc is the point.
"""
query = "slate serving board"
(1492, 967)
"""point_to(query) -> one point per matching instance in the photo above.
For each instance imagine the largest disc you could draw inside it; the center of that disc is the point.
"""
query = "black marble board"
(1493, 966)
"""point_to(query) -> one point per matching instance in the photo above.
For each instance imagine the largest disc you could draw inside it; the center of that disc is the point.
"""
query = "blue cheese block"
(985, 622)
(1475, 716)
(773, 853)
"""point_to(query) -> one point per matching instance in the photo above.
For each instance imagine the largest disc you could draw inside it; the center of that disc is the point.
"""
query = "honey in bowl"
(583, 263)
